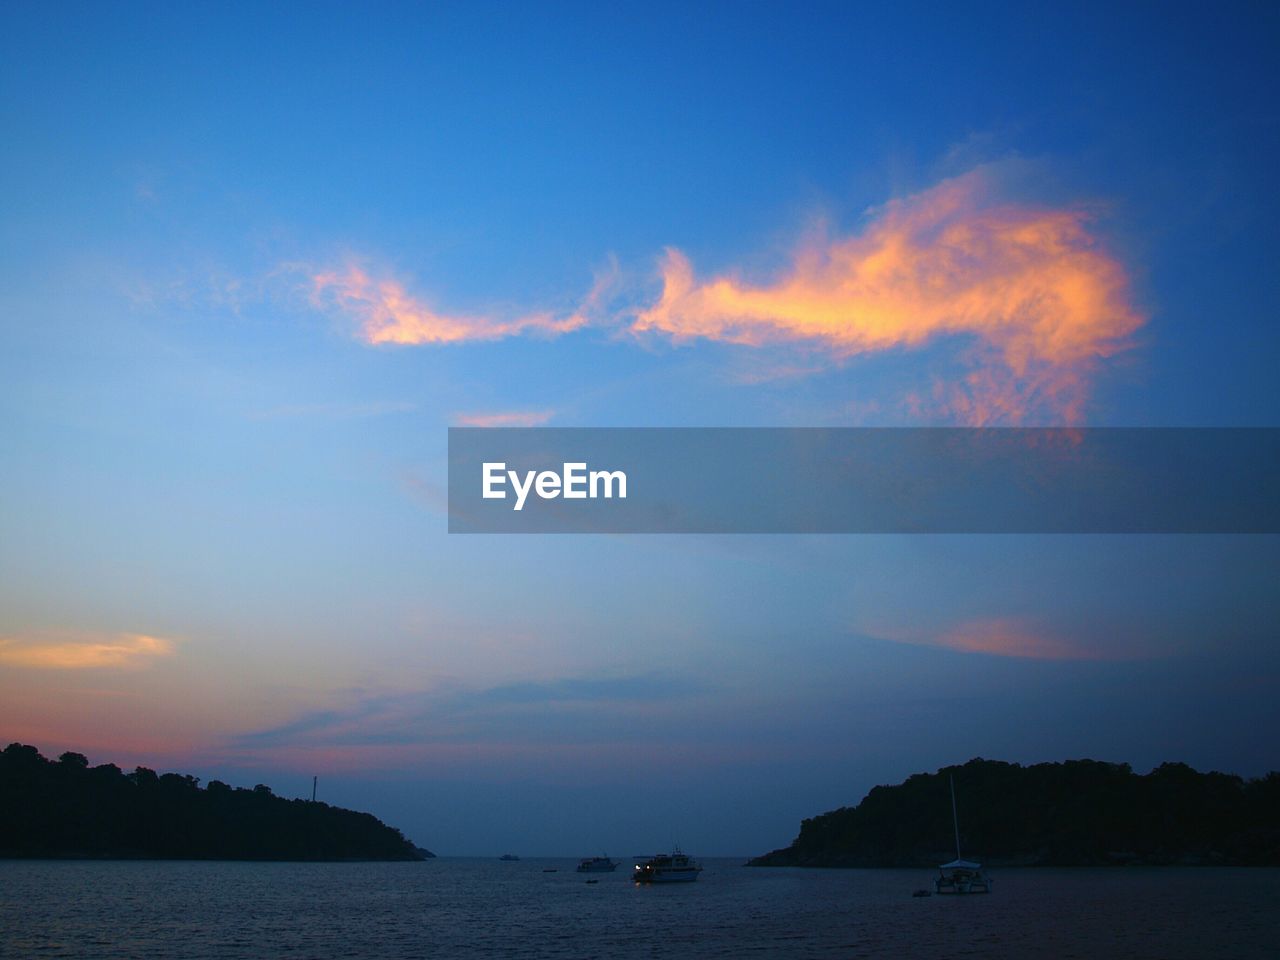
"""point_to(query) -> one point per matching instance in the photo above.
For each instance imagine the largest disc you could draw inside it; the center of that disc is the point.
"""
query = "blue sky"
(222, 543)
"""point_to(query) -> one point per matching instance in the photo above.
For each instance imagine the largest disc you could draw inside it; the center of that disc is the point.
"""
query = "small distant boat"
(674, 867)
(960, 875)
(921, 893)
(597, 865)
(593, 881)
(550, 870)
(508, 856)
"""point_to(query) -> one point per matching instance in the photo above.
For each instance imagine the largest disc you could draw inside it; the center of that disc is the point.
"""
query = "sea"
(467, 907)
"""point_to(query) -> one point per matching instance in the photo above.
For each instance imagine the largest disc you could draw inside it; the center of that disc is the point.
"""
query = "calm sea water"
(483, 908)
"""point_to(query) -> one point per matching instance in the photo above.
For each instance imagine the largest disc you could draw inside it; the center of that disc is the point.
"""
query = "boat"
(674, 867)
(508, 856)
(960, 875)
(597, 865)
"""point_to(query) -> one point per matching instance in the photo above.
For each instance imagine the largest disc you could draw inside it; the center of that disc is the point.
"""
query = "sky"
(255, 260)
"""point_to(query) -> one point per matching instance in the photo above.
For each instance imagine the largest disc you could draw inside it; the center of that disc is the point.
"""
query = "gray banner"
(864, 480)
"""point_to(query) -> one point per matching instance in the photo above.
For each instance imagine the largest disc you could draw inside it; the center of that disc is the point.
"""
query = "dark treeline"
(1082, 812)
(65, 808)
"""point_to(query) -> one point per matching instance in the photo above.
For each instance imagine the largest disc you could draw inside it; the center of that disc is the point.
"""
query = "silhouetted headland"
(1077, 813)
(65, 808)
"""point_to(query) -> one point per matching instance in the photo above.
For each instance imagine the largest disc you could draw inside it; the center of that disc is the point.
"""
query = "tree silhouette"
(69, 809)
(1081, 812)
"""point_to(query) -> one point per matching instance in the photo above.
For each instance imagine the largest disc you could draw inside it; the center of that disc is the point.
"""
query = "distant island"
(1077, 813)
(65, 808)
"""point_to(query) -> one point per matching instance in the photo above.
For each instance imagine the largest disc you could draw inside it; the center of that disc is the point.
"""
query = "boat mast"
(955, 820)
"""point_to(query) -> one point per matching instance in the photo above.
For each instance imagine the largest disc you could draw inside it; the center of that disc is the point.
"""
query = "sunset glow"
(1035, 300)
(263, 266)
(388, 314)
(124, 650)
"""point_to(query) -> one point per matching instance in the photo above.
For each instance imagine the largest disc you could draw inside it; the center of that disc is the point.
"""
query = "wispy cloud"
(1025, 639)
(1035, 297)
(642, 688)
(1020, 303)
(118, 651)
(1013, 638)
(427, 492)
(505, 418)
(460, 715)
(387, 313)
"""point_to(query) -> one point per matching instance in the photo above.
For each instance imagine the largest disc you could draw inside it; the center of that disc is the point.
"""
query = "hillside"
(65, 808)
(1081, 812)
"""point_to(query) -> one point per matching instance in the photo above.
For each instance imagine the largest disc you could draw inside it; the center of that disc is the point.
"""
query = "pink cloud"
(387, 313)
(1012, 638)
(115, 651)
(1036, 299)
(1023, 298)
(505, 418)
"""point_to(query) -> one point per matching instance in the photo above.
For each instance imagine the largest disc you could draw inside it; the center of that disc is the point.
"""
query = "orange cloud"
(1027, 638)
(505, 418)
(1029, 287)
(1010, 638)
(388, 313)
(124, 650)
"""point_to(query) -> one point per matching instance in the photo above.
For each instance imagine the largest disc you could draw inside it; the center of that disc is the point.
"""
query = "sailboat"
(960, 875)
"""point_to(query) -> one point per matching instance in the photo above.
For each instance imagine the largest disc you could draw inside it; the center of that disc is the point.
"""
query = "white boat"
(508, 856)
(675, 867)
(960, 875)
(597, 865)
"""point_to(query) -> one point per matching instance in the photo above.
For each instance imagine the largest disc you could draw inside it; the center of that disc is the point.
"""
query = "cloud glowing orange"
(1028, 287)
(130, 649)
(1012, 638)
(388, 313)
